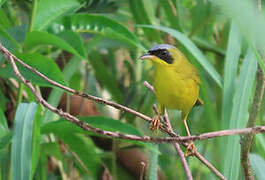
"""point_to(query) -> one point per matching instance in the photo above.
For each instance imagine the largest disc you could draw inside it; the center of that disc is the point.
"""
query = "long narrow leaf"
(230, 71)
(239, 114)
(22, 140)
(250, 22)
(258, 164)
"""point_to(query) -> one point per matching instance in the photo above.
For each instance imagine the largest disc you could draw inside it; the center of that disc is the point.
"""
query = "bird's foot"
(154, 123)
(191, 150)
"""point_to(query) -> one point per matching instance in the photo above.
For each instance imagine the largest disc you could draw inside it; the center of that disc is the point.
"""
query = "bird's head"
(161, 54)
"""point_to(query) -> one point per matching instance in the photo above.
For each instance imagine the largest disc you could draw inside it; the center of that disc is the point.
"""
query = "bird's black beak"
(146, 56)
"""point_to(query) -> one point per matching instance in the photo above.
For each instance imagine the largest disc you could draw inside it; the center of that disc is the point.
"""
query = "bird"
(176, 82)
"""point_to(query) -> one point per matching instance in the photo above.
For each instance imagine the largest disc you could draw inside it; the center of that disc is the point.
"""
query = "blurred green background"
(93, 46)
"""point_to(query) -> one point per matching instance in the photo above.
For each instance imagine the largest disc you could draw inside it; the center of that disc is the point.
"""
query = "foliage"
(93, 46)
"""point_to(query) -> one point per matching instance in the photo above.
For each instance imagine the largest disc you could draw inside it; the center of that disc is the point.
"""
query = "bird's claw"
(154, 123)
(191, 150)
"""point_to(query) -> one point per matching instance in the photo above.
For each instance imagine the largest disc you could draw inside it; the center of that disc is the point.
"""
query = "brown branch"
(247, 140)
(179, 151)
(174, 137)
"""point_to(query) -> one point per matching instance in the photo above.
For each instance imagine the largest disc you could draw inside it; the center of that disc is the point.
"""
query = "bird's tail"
(198, 102)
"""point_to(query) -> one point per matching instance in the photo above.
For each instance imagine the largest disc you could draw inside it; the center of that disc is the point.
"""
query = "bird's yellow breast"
(175, 87)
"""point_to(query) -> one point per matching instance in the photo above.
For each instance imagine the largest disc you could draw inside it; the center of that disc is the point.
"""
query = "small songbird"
(176, 81)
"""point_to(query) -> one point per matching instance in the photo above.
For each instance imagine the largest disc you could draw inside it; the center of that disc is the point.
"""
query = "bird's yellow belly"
(175, 91)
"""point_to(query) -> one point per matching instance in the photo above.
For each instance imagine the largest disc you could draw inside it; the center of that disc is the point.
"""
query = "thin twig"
(179, 151)
(174, 137)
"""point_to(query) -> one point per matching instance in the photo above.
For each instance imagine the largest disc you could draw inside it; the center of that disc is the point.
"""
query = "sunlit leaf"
(49, 10)
(93, 23)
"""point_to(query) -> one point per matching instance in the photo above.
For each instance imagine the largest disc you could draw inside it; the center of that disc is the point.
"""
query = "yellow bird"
(176, 81)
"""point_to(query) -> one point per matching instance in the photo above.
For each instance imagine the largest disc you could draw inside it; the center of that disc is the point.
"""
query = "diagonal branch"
(174, 137)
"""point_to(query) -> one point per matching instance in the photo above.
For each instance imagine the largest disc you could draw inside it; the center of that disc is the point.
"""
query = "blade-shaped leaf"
(230, 71)
(35, 155)
(193, 50)
(258, 164)
(43, 64)
(250, 22)
(239, 115)
(35, 38)
(49, 10)
(22, 140)
(93, 23)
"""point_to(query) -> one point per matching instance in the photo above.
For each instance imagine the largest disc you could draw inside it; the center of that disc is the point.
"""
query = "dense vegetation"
(93, 46)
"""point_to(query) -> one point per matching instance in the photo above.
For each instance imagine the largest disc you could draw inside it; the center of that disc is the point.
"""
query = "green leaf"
(105, 77)
(72, 43)
(86, 151)
(98, 24)
(108, 124)
(50, 10)
(3, 123)
(169, 9)
(230, 73)
(52, 149)
(11, 43)
(4, 160)
(239, 115)
(35, 155)
(250, 22)
(3, 101)
(261, 139)
(258, 164)
(22, 141)
(41, 172)
(2, 2)
(152, 165)
(193, 50)
(43, 64)
(141, 17)
(55, 96)
(75, 40)
(5, 139)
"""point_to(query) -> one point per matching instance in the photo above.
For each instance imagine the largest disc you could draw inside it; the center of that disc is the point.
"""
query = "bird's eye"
(164, 53)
